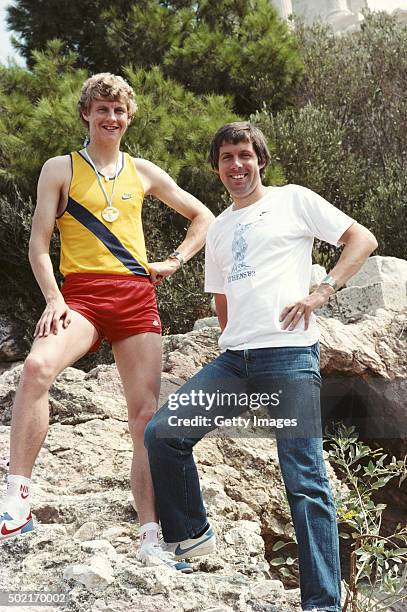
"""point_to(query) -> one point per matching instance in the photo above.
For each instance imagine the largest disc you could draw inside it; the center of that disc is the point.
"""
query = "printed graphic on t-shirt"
(240, 269)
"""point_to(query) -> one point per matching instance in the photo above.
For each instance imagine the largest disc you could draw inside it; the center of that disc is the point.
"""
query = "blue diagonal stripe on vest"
(104, 234)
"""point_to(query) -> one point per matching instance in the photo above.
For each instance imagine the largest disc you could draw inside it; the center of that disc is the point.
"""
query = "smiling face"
(239, 171)
(107, 119)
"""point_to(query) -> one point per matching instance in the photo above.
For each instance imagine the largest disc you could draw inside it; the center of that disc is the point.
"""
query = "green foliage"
(229, 47)
(346, 139)
(239, 48)
(80, 25)
(378, 574)
(378, 563)
(39, 119)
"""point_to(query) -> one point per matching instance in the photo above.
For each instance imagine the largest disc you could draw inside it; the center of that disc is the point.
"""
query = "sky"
(7, 50)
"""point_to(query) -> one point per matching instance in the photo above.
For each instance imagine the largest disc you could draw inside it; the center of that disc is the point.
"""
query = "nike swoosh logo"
(24, 496)
(126, 196)
(5, 531)
(182, 551)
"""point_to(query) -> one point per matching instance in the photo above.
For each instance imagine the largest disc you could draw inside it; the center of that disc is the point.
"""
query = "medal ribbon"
(108, 200)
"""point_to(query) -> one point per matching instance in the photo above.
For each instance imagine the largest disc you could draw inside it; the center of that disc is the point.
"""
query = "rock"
(113, 534)
(380, 283)
(75, 397)
(8, 365)
(266, 589)
(118, 606)
(246, 536)
(184, 354)
(81, 481)
(364, 366)
(317, 274)
(355, 302)
(97, 575)
(207, 322)
(102, 547)
(379, 269)
(13, 346)
(80, 475)
(8, 384)
(87, 531)
(218, 609)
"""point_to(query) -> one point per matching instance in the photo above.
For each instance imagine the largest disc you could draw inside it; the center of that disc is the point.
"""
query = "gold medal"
(110, 214)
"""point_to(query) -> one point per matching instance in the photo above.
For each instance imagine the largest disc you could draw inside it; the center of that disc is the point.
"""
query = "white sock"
(148, 534)
(17, 499)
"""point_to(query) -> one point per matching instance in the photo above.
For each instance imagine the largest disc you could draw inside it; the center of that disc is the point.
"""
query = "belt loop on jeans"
(246, 355)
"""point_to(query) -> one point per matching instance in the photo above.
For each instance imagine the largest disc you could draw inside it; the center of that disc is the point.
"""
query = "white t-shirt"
(260, 258)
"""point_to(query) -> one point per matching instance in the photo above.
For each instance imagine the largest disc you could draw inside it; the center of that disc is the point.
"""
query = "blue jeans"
(292, 375)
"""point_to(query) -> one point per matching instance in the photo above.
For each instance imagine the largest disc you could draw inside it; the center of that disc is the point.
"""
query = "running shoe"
(152, 554)
(194, 547)
(10, 527)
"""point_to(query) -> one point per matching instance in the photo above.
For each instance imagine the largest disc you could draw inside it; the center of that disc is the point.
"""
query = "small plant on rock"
(378, 564)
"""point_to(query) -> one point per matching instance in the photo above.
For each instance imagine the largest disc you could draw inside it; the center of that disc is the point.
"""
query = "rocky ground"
(85, 540)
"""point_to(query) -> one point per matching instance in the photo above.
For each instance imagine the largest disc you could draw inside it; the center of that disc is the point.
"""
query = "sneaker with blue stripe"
(193, 547)
(10, 527)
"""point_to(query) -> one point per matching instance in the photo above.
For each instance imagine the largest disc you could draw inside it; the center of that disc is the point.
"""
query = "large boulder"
(379, 269)
(380, 283)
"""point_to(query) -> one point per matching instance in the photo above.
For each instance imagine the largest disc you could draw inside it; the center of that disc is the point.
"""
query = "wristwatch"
(329, 280)
(177, 255)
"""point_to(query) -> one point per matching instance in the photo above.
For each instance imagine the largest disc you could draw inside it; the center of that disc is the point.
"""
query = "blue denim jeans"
(293, 374)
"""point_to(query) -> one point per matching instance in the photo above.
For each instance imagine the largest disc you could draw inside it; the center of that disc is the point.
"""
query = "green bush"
(346, 137)
(378, 568)
(237, 48)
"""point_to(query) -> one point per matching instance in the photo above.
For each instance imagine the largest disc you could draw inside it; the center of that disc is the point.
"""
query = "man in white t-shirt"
(258, 265)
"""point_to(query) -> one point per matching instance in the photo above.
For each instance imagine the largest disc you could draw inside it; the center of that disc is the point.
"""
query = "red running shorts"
(118, 306)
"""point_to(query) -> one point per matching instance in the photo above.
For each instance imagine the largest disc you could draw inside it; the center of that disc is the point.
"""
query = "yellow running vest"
(88, 242)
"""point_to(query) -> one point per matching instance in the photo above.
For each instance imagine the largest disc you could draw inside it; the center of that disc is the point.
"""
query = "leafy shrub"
(346, 136)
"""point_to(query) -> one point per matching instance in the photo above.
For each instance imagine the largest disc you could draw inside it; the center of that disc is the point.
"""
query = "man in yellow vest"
(96, 196)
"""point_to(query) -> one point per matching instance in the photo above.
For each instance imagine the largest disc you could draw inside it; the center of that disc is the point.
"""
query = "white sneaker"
(194, 547)
(11, 527)
(152, 554)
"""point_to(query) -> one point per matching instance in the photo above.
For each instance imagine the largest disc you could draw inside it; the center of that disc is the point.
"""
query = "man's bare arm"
(359, 244)
(159, 184)
(221, 306)
(49, 190)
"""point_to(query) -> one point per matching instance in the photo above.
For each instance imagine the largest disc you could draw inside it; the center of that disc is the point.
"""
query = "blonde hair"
(109, 86)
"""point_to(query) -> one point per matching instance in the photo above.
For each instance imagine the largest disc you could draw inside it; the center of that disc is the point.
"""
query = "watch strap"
(177, 255)
(329, 280)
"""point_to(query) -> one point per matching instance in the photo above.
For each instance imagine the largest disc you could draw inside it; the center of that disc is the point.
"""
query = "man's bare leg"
(48, 357)
(138, 360)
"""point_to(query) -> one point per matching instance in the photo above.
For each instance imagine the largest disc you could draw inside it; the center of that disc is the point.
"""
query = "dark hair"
(233, 133)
